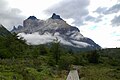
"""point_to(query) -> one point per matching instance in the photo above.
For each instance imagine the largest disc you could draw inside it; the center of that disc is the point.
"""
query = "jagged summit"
(54, 27)
(54, 16)
(14, 28)
(32, 17)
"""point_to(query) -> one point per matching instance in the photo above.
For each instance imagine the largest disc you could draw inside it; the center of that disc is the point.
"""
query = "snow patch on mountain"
(80, 44)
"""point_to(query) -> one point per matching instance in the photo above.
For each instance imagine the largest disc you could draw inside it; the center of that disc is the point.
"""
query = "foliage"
(66, 61)
(55, 50)
(93, 57)
(19, 61)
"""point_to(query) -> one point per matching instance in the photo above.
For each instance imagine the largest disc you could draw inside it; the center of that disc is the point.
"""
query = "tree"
(93, 57)
(11, 46)
(43, 50)
(66, 61)
(55, 50)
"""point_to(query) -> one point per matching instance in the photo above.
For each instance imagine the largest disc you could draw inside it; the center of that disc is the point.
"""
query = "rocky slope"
(52, 28)
(3, 31)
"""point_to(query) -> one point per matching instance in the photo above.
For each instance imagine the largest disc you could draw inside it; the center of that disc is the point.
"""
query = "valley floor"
(23, 69)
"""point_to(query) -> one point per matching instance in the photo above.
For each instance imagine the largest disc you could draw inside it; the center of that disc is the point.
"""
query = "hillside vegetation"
(19, 61)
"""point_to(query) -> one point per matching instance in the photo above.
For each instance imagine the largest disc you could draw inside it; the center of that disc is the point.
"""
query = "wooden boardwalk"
(73, 75)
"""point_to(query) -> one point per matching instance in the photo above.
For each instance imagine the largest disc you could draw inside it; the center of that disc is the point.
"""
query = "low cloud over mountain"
(37, 31)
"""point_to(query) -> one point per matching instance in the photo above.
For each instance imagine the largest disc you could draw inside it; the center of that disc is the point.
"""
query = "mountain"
(3, 31)
(52, 28)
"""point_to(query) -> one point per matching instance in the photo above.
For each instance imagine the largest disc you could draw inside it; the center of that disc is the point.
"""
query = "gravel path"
(73, 75)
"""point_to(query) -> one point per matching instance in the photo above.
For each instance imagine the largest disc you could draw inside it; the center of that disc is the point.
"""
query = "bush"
(66, 61)
(80, 59)
(93, 57)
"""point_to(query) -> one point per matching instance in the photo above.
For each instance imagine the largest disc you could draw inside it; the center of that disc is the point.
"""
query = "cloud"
(116, 21)
(93, 19)
(9, 17)
(114, 9)
(104, 35)
(75, 9)
(36, 38)
(90, 18)
(101, 10)
(104, 10)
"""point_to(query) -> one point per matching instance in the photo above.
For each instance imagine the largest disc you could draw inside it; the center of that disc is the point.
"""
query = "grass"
(10, 76)
(98, 72)
(20, 69)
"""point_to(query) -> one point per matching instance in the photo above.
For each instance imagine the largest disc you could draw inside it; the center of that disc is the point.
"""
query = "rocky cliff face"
(55, 27)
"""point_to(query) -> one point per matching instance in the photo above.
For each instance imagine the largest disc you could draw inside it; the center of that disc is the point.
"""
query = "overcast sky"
(96, 19)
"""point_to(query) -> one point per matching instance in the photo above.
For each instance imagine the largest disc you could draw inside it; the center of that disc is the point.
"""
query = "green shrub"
(66, 61)
(93, 57)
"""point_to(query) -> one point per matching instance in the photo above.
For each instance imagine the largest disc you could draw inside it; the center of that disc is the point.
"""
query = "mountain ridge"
(3, 31)
(54, 27)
